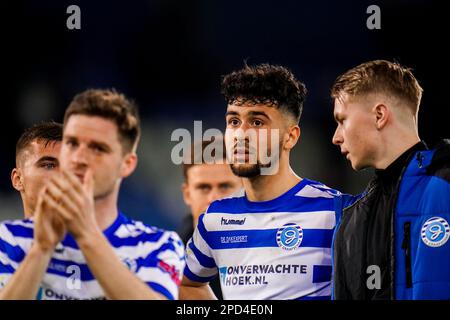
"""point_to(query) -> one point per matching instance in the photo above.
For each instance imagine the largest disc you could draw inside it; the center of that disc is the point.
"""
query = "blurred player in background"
(37, 153)
(273, 240)
(392, 243)
(78, 245)
(203, 184)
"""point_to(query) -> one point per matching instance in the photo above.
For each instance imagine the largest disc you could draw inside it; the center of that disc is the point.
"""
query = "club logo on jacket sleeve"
(435, 232)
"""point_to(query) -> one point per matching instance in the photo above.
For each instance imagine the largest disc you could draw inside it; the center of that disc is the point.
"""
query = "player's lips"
(244, 149)
(242, 155)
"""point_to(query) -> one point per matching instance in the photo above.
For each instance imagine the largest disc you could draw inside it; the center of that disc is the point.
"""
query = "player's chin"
(101, 192)
(358, 165)
(246, 170)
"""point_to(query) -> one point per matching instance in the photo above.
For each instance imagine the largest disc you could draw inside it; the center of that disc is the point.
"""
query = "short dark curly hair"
(265, 84)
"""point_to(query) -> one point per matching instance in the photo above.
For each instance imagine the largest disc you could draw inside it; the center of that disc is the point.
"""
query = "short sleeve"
(200, 264)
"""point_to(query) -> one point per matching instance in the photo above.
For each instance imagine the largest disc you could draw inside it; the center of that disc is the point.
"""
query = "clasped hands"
(65, 204)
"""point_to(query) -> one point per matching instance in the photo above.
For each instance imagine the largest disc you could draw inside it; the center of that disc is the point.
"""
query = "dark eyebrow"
(251, 114)
(202, 185)
(46, 158)
(258, 113)
(93, 143)
(231, 113)
(100, 145)
(226, 184)
(67, 137)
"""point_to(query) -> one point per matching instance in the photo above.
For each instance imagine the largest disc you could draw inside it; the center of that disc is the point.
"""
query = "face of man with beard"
(254, 138)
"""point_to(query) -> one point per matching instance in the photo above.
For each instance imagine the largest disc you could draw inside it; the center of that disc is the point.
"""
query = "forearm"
(116, 280)
(196, 293)
(191, 290)
(24, 284)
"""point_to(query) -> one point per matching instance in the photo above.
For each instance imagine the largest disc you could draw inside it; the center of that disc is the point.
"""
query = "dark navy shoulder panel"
(440, 164)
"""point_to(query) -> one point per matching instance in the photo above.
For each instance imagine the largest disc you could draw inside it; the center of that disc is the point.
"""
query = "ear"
(186, 194)
(292, 136)
(129, 164)
(382, 115)
(17, 179)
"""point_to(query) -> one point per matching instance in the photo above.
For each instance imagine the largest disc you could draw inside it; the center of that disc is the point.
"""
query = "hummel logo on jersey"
(239, 222)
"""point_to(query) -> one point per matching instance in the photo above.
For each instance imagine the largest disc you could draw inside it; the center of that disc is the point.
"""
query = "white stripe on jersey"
(305, 256)
(6, 235)
(23, 223)
(308, 220)
(172, 257)
(133, 230)
(313, 192)
(201, 244)
(60, 284)
(195, 266)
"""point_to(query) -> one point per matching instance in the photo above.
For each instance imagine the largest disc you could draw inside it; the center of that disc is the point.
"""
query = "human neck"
(27, 211)
(194, 218)
(395, 146)
(106, 211)
(268, 187)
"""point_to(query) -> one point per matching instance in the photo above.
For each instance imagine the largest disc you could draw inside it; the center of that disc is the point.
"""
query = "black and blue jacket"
(419, 253)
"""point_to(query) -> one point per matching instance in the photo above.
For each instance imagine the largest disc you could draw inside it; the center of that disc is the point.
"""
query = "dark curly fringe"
(265, 84)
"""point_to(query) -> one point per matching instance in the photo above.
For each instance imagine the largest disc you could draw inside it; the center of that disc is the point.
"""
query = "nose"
(213, 195)
(80, 156)
(240, 136)
(337, 137)
(245, 126)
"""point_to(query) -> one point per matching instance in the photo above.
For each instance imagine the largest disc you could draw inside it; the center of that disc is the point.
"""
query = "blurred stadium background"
(169, 56)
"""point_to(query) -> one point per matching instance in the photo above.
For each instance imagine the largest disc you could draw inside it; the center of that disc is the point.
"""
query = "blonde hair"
(380, 76)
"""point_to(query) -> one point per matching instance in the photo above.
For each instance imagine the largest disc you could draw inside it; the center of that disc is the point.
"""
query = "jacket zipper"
(393, 238)
(406, 245)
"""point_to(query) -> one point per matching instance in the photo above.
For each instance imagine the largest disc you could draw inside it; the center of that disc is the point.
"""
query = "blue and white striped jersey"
(277, 249)
(155, 256)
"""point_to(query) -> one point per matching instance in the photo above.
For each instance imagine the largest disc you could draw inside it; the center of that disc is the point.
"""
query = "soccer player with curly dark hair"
(272, 239)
